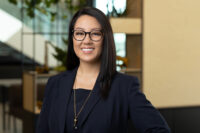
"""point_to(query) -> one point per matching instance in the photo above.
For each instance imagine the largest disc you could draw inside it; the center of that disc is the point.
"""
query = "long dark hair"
(108, 55)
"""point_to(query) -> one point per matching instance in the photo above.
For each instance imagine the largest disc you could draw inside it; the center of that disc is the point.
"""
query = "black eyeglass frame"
(89, 33)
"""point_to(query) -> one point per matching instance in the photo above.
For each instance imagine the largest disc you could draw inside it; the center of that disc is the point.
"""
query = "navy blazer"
(125, 101)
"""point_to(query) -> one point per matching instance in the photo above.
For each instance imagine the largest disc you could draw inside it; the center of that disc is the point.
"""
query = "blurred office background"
(157, 41)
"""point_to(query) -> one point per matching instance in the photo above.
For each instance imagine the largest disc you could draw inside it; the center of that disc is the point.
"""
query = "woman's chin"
(89, 60)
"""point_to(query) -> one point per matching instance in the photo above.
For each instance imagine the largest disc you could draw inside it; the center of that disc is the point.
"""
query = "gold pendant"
(75, 122)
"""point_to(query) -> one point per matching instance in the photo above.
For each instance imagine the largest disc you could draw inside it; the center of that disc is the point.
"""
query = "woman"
(91, 97)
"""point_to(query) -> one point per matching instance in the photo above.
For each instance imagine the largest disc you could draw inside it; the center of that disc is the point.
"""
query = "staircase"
(21, 36)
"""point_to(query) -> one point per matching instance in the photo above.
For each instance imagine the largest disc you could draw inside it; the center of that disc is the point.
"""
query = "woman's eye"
(96, 33)
(79, 33)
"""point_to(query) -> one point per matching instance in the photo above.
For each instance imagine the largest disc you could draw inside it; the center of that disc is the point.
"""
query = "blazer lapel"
(92, 101)
(65, 86)
(64, 93)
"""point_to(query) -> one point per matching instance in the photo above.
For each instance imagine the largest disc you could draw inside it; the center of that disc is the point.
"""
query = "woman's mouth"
(87, 50)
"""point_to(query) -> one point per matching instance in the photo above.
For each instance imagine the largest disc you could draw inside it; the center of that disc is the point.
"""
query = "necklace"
(77, 114)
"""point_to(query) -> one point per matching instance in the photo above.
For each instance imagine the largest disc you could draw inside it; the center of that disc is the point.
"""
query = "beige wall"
(171, 52)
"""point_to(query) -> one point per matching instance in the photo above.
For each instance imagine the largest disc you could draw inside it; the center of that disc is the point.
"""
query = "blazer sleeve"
(42, 123)
(144, 116)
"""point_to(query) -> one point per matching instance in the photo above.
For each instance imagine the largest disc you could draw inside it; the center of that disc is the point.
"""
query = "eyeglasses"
(94, 35)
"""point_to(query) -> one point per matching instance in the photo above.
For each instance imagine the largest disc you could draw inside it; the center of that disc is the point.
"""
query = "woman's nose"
(87, 38)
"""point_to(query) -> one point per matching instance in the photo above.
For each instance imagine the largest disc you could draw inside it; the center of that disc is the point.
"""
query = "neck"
(88, 69)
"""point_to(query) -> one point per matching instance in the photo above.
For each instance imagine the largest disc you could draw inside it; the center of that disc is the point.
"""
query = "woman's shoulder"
(60, 75)
(124, 83)
(122, 77)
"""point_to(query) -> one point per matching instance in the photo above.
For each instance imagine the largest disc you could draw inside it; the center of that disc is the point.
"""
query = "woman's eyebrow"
(96, 29)
(78, 28)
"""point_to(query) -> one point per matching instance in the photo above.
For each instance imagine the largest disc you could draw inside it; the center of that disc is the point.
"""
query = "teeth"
(87, 49)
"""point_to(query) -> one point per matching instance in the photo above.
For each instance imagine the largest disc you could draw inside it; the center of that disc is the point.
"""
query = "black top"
(81, 95)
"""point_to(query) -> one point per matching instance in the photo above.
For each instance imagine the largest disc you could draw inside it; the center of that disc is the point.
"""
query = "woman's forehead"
(87, 22)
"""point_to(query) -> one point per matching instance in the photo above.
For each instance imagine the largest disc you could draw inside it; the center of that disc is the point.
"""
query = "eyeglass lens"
(80, 35)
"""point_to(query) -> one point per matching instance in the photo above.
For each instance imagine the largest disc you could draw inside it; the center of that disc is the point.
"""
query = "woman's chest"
(106, 116)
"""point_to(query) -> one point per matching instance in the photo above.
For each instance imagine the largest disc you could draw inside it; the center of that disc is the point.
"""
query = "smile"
(87, 49)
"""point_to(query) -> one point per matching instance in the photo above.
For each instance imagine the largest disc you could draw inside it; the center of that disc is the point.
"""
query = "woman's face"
(87, 39)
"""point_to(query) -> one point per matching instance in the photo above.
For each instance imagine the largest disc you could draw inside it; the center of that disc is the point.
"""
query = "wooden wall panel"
(134, 8)
(133, 51)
